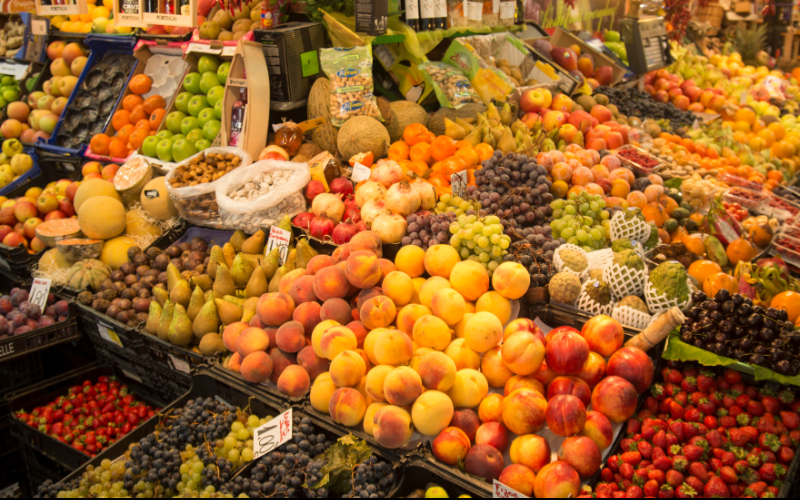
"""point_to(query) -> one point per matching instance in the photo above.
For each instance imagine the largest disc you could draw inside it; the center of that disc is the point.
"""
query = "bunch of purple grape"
(432, 229)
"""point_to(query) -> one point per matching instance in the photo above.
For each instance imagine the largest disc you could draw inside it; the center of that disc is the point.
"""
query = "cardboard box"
(248, 69)
(73, 8)
(743, 8)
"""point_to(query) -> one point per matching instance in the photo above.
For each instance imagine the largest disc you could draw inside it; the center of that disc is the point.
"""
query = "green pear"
(181, 293)
(180, 329)
(241, 271)
(223, 283)
(195, 303)
(166, 319)
(228, 312)
(153, 318)
(258, 285)
(173, 276)
(161, 295)
(256, 243)
(207, 320)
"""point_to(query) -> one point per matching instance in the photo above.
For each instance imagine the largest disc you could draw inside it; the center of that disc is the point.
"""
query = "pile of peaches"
(686, 95)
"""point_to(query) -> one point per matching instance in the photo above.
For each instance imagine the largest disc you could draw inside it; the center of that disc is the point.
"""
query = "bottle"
(440, 10)
(186, 8)
(130, 6)
(266, 15)
(427, 15)
(151, 6)
(169, 7)
(412, 14)
(237, 117)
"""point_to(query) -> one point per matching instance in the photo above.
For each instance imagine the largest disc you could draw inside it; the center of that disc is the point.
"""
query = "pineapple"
(748, 43)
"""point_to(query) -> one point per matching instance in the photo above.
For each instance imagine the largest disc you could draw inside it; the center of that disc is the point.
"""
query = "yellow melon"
(137, 225)
(53, 262)
(102, 218)
(90, 189)
(156, 201)
(115, 252)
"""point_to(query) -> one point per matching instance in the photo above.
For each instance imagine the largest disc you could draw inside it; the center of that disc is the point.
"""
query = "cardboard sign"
(500, 490)
(109, 335)
(458, 183)
(279, 238)
(272, 434)
(39, 27)
(360, 173)
(39, 292)
(180, 365)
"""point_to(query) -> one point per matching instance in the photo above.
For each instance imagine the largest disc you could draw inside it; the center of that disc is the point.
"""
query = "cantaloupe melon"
(52, 231)
(156, 201)
(405, 113)
(80, 248)
(89, 273)
(53, 262)
(361, 134)
(115, 252)
(131, 178)
(137, 225)
(91, 188)
(102, 218)
(319, 97)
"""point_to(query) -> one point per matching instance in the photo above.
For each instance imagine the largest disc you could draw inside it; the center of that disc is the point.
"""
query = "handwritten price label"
(500, 490)
(279, 238)
(360, 173)
(180, 365)
(458, 182)
(109, 335)
(272, 434)
(40, 290)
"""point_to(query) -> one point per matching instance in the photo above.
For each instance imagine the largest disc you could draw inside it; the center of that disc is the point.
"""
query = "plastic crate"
(140, 369)
(20, 371)
(12, 469)
(19, 345)
(38, 469)
(178, 360)
(109, 333)
(419, 474)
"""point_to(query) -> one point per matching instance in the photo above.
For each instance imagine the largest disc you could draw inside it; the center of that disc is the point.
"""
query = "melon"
(90, 189)
(53, 262)
(80, 248)
(156, 201)
(319, 97)
(138, 225)
(405, 113)
(436, 121)
(103, 218)
(131, 178)
(89, 273)
(115, 252)
(52, 231)
(361, 134)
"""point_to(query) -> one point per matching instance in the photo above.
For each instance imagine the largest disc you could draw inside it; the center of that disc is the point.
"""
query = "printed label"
(500, 490)
(458, 183)
(279, 238)
(39, 292)
(272, 434)
(474, 11)
(507, 10)
(109, 335)
(202, 47)
(360, 173)
(132, 376)
(151, 193)
(6, 349)
(180, 365)
(39, 27)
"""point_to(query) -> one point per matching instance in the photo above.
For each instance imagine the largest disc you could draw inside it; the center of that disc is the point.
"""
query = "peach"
(392, 427)
(411, 260)
(451, 446)
(369, 344)
(524, 411)
(291, 337)
(469, 279)
(378, 312)
(530, 450)
(402, 386)
(375, 381)
(252, 340)
(398, 287)
(432, 412)
(523, 382)
(494, 434)
(440, 260)
(429, 289)
(483, 331)
(294, 381)
(594, 370)
(318, 262)
(312, 363)
(511, 280)
(566, 352)
(416, 359)
(463, 356)
(393, 347)
(524, 325)
(369, 417)
(289, 278)
(466, 420)
(235, 362)
(387, 267)
(460, 328)
(448, 305)
(364, 356)
(363, 269)
(275, 309)
(418, 282)
(365, 295)
(615, 398)
(341, 253)
(359, 330)
(493, 367)
(437, 371)
(491, 408)
(433, 332)
(335, 340)
(280, 360)
(557, 480)
(321, 393)
(598, 428)
(307, 314)
(362, 388)
(347, 407)
(302, 290)
(496, 304)
(484, 461)
(331, 282)
(566, 415)
(572, 386)
(634, 365)
(582, 454)
(231, 334)
(544, 374)
(523, 353)
(256, 367)
(603, 334)
(518, 478)
(347, 369)
(469, 388)
(369, 241)
(407, 317)
(337, 310)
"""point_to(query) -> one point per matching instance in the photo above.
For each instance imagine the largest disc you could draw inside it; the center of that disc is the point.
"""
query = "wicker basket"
(711, 14)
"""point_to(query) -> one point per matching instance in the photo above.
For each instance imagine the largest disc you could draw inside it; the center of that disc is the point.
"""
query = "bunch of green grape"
(581, 220)
(456, 204)
(481, 240)
(238, 444)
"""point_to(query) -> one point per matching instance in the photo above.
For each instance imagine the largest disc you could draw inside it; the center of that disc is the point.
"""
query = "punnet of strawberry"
(92, 416)
(705, 433)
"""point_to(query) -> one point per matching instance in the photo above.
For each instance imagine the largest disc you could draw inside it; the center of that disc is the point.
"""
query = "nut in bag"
(452, 87)
(350, 73)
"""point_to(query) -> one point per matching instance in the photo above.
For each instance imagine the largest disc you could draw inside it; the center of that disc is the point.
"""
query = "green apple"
(202, 144)
(150, 146)
(164, 134)
(182, 149)
(176, 137)
(174, 120)
(215, 95)
(11, 94)
(195, 135)
(208, 81)
(222, 72)
(164, 150)
(182, 101)
(191, 83)
(188, 124)
(205, 116)
(211, 129)
(3, 103)
(197, 104)
(218, 110)
(9, 80)
(207, 63)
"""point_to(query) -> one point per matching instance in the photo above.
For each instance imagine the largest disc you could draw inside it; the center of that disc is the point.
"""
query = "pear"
(229, 253)
(249, 309)
(506, 115)
(453, 130)
(291, 260)
(181, 293)
(166, 319)
(237, 239)
(271, 263)
(241, 271)
(228, 312)
(207, 320)
(493, 114)
(506, 143)
(286, 225)
(304, 253)
(497, 132)
(474, 137)
(173, 276)
(234, 300)
(196, 303)
(161, 295)
(215, 258)
(254, 259)
(258, 285)
(256, 243)
(468, 127)
(153, 318)
(180, 329)
(211, 344)
(223, 284)
(488, 137)
(276, 279)
(519, 126)
(203, 281)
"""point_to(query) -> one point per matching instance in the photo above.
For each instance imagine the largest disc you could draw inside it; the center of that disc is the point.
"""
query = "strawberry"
(702, 429)
(682, 398)
(786, 397)
(690, 430)
(717, 453)
(692, 415)
(741, 466)
(632, 457)
(627, 444)
(790, 419)
(618, 494)
(672, 439)
(768, 457)
(633, 492)
(743, 400)
(672, 376)
(711, 422)
(614, 462)
(698, 470)
(732, 376)
(685, 491)
(689, 384)
(648, 431)
(755, 408)
(634, 426)
(706, 382)
(716, 488)
(658, 453)
(676, 428)
(657, 391)
(657, 475)
(714, 438)
(756, 489)
(691, 371)
(771, 404)
(674, 478)
(645, 449)
(695, 483)
(774, 490)
(663, 406)
(728, 459)
(728, 474)
(751, 391)
(663, 463)
(734, 411)
(666, 491)
(679, 463)
(660, 439)
(696, 396)
(626, 471)
(743, 419)
(651, 404)
(715, 464)
(650, 488)
(606, 475)
(727, 421)
(785, 454)
(716, 398)
(676, 411)
(754, 459)
(771, 472)
(706, 407)
(752, 431)
(728, 401)
(769, 441)
(640, 476)
(693, 453)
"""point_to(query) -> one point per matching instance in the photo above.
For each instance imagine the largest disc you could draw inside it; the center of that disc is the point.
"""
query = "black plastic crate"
(12, 468)
(140, 369)
(19, 345)
(179, 360)
(418, 475)
(21, 371)
(37, 469)
(110, 334)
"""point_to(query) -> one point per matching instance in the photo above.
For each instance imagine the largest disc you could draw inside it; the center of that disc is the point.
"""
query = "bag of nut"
(192, 183)
(350, 73)
(259, 195)
(452, 87)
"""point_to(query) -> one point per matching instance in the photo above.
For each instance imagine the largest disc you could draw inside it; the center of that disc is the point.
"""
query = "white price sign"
(109, 335)
(228, 50)
(458, 183)
(272, 434)
(500, 490)
(279, 238)
(39, 293)
(39, 27)
(180, 365)
(203, 48)
(360, 173)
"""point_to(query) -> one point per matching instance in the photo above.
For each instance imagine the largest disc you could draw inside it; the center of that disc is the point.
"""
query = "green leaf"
(675, 183)
(340, 459)
(681, 351)
(762, 373)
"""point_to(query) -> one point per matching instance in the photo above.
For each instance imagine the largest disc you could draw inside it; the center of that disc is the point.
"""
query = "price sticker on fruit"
(279, 238)
(272, 434)
(39, 292)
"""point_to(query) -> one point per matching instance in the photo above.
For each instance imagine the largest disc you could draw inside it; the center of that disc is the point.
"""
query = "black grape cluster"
(515, 188)
(430, 230)
(535, 252)
(372, 479)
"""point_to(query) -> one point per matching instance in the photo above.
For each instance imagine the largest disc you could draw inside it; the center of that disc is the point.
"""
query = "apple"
(24, 211)
(173, 122)
(535, 99)
(71, 190)
(182, 101)
(55, 49)
(215, 94)
(14, 239)
(37, 245)
(604, 75)
(581, 120)
(30, 226)
(57, 214)
(601, 113)
(46, 203)
(65, 206)
(568, 133)
(192, 83)
(661, 84)
(562, 102)
(197, 104)
(553, 120)
(682, 102)
(5, 230)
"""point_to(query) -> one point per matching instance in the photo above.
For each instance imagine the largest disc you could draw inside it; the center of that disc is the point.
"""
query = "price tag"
(228, 50)
(277, 126)
(500, 490)
(360, 173)
(203, 48)
(272, 434)
(39, 27)
(132, 376)
(180, 365)
(279, 238)
(39, 292)
(109, 335)
(507, 10)
(458, 183)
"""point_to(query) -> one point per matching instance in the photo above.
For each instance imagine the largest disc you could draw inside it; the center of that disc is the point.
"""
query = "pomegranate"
(351, 211)
(321, 227)
(362, 226)
(343, 232)
(390, 227)
(341, 186)
(328, 204)
(368, 191)
(387, 172)
(402, 199)
(303, 220)
(313, 188)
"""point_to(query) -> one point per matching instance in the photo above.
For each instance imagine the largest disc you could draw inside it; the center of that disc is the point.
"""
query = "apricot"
(418, 282)
(437, 371)
(469, 279)
(275, 309)
(448, 305)
(469, 388)
(496, 304)
(288, 280)
(312, 363)
(433, 332)
(392, 347)
(463, 356)
(256, 367)
(335, 340)
(392, 427)
(366, 294)
(518, 478)
(432, 412)
(429, 289)
(308, 315)
(291, 337)
(252, 340)
(321, 392)
(530, 450)
(402, 386)
(387, 267)
(369, 241)
(347, 407)
(483, 331)
(378, 312)
(419, 353)
(451, 446)
(523, 353)
(231, 334)
(337, 310)
(440, 260)
(511, 280)
(398, 287)
(369, 344)
(375, 380)
(318, 262)
(369, 417)
(493, 367)
(347, 369)
(408, 316)
(294, 381)
(524, 411)
(523, 382)
(363, 269)
(362, 388)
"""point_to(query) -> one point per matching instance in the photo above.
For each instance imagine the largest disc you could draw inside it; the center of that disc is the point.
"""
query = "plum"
(62, 308)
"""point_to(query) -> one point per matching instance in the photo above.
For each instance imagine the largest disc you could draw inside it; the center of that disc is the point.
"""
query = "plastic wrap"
(624, 281)
(629, 316)
(452, 87)
(599, 259)
(633, 229)
(586, 303)
(658, 303)
(560, 264)
(350, 73)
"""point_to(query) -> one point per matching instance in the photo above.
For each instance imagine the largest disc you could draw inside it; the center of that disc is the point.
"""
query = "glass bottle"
(237, 117)
(412, 14)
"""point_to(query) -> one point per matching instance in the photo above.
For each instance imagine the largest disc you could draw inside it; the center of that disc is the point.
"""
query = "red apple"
(682, 102)
(596, 144)
(604, 75)
(30, 226)
(673, 93)
(595, 367)
(58, 214)
(572, 386)
(5, 230)
(554, 120)
(615, 398)
(661, 96)
(65, 206)
(661, 84)
(581, 120)
(693, 93)
(25, 210)
(19, 228)
(535, 99)
(71, 190)
(7, 216)
(634, 365)
(14, 239)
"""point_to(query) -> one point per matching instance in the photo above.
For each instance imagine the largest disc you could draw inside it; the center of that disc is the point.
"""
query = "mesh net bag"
(630, 317)
(633, 229)
(560, 264)
(658, 303)
(624, 281)
(588, 304)
(599, 259)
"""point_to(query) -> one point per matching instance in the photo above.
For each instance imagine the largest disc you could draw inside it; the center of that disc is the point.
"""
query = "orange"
(131, 101)
(655, 213)
(143, 123)
(741, 250)
(138, 113)
(140, 84)
(421, 151)
(484, 151)
(138, 137)
(125, 132)
(788, 301)
(415, 133)
(701, 270)
(117, 148)
(463, 144)
(452, 165)
(695, 245)
(637, 199)
(718, 281)
(777, 129)
(155, 118)
(442, 148)
(413, 169)
(152, 103)
(120, 119)
(99, 144)
(776, 175)
(398, 151)
(469, 156)
(768, 136)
